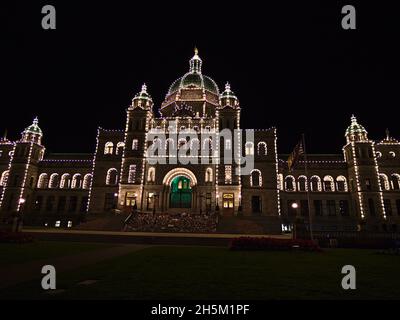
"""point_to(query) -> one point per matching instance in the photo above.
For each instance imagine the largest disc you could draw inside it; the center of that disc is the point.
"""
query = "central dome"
(194, 79)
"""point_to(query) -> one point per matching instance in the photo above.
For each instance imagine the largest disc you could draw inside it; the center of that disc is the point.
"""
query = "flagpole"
(308, 186)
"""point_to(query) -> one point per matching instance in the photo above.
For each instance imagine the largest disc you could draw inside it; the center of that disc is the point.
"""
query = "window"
(329, 185)
(255, 178)
(228, 174)
(315, 183)
(54, 181)
(379, 154)
(50, 203)
(76, 181)
(331, 206)
(135, 144)
(73, 204)
(65, 181)
(195, 144)
(388, 206)
(209, 175)
(304, 208)
(384, 180)
(38, 203)
(87, 181)
(249, 148)
(318, 208)
(341, 184)
(228, 144)
(43, 181)
(344, 208)
(58, 224)
(302, 183)
(290, 184)
(112, 177)
(151, 175)
(392, 154)
(109, 201)
(371, 207)
(4, 178)
(69, 225)
(132, 173)
(109, 148)
(395, 181)
(368, 183)
(61, 204)
(120, 148)
(262, 148)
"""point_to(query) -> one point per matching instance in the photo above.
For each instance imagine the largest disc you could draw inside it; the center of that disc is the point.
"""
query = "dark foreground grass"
(23, 253)
(217, 273)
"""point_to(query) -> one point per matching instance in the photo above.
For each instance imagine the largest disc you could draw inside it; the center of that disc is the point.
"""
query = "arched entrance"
(179, 190)
(181, 193)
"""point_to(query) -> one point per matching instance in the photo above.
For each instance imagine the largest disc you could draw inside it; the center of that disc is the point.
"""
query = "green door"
(181, 193)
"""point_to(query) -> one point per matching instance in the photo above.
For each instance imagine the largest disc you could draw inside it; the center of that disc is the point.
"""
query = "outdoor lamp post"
(295, 207)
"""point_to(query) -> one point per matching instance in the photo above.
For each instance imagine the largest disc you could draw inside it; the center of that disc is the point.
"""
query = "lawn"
(167, 272)
(22, 253)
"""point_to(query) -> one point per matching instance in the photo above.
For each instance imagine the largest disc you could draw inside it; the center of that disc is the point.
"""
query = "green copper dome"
(194, 78)
(355, 127)
(34, 128)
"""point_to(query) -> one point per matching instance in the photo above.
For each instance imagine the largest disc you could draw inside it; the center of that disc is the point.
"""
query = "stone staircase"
(249, 225)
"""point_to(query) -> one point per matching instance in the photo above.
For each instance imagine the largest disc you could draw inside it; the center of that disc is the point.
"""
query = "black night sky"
(291, 65)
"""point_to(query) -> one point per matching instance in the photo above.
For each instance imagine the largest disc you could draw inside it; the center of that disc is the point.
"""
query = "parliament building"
(356, 189)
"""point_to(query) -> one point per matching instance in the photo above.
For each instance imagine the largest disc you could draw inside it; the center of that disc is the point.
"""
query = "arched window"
(290, 183)
(262, 148)
(54, 181)
(109, 148)
(120, 148)
(379, 154)
(135, 144)
(169, 145)
(392, 154)
(151, 174)
(182, 143)
(43, 181)
(87, 181)
(341, 184)
(329, 184)
(249, 149)
(207, 144)
(384, 180)
(76, 181)
(194, 144)
(65, 181)
(4, 178)
(302, 183)
(280, 181)
(315, 183)
(112, 177)
(255, 178)
(395, 181)
(209, 175)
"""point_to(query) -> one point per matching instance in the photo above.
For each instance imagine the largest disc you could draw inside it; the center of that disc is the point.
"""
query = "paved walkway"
(156, 234)
(14, 274)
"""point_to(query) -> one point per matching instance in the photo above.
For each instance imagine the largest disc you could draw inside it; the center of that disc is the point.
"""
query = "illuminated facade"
(358, 188)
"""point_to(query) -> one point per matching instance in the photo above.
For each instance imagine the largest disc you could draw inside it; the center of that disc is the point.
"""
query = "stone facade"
(138, 166)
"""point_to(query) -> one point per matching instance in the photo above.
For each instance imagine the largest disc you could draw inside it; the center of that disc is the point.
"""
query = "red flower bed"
(249, 243)
(15, 237)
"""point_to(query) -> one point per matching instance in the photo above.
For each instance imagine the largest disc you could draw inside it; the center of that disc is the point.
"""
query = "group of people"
(184, 222)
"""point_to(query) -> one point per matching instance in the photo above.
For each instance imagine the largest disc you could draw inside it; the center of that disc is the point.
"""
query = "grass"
(22, 253)
(216, 273)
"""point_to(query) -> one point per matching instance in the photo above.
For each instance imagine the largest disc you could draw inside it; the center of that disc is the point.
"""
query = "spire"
(227, 87)
(35, 121)
(195, 63)
(353, 119)
(5, 134)
(387, 134)
(144, 88)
